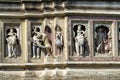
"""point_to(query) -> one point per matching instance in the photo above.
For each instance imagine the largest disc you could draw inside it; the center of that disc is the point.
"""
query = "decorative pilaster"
(27, 41)
(1, 41)
(66, 54)
(114, 38)
(91, 38)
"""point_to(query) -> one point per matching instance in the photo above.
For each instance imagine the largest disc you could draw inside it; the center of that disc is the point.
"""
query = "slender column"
(66, 38)
(55, 22)
(91, 38)
(114, 38)
(27, 49)
(1, 42)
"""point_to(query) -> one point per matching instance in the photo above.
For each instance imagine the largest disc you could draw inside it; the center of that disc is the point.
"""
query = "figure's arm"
(55, 36)
(41, 40)
(7, 39)
(8, 34)
(43, 37)
(15, 34)
(61, 36)
(109, 33)
(83, 32)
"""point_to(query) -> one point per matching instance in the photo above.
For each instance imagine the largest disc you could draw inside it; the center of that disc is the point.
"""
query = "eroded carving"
(59, 40)
(41, 41)
(79, 39)
(103, 40)
(47, 38)
(37, 39)
(12, 40)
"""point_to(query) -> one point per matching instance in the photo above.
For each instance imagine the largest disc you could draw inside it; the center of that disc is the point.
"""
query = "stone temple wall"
(59, 40)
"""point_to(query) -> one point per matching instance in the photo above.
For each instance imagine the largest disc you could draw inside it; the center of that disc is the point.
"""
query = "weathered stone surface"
(67, 14)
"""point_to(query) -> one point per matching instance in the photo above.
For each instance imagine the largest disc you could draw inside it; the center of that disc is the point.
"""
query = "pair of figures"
(103, 41)
(37, 39)
(79, 40)
(40, 40)
(12, 42)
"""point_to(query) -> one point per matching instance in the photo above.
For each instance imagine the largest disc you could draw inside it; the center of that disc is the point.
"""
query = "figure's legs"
(102, 48)
(58, 51)
(34, 51)
(98, 48)
(61, 50)
(9, 51)
(38, 52)
(77, 48)
(48, 51)
(81, 49)
(13, 51)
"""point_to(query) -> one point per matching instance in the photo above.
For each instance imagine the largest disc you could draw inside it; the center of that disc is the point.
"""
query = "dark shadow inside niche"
(86, 46)
(119, 41)
(101, 38)
(17, 45)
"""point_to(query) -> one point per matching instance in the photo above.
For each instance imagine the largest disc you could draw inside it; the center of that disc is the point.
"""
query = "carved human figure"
(100, 41)
(37, 39)
(103, 39)
(12, 42)
(58, 40)
(108, 46)
(46, 45)
(40, 40)
(47, 38)
(79, 41)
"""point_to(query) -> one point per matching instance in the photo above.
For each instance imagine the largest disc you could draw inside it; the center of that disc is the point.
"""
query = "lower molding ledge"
(62, 74)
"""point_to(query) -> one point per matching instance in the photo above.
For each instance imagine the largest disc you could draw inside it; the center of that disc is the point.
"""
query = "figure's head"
(11, 30)
(58, 28)
(100, 29)
(79, 27)
(36, 28)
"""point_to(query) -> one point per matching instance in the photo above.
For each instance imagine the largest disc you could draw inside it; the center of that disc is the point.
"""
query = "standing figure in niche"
(79, 41)
(47, 40)
(37, 39)
(58, 40)
(102, 39)
(12, 42)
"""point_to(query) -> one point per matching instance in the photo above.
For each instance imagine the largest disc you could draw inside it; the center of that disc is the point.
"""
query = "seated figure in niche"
(103, 40)
(79, 40)
(58, 40)
(12, 42)
(37, 39)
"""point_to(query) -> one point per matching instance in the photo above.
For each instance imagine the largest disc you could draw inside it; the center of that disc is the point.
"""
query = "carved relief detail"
(103, 40)
(59, 40)
(36, 40)
(79, 40)
(12, 38)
